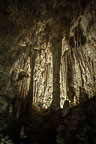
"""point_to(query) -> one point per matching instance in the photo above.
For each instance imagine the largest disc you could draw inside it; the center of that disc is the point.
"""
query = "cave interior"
(47, 72)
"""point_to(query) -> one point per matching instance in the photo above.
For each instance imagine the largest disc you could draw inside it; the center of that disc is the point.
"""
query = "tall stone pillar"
(56, 49)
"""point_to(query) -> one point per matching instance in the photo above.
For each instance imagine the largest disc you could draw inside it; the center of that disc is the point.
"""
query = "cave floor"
(78, 127)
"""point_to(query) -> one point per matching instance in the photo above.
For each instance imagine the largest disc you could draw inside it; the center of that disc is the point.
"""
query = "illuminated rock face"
(78, 62)
(43, 78)
(34, 67)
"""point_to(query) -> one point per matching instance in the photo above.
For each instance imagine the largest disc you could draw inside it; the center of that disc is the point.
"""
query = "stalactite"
(42, 77)
(32, 65)
(80, 67)
(20, 82)
(70, 89)
(68, 73)
(65, 71)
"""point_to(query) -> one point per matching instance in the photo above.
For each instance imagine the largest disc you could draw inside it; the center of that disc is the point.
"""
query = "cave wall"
(43, 76)
(30, 27)
(78, 59)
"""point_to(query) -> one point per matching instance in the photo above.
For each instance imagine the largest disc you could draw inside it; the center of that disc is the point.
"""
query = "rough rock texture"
(43, 75)
(38, 31)
(79, 125)
(47, 55)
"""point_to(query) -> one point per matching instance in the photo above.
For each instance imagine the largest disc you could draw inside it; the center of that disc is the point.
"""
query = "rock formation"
(47, 57)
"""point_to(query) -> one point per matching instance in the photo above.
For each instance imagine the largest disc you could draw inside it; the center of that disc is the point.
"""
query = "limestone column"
(56, 49)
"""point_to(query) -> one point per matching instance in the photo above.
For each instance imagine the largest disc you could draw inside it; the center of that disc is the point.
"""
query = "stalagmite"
(66, 108)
